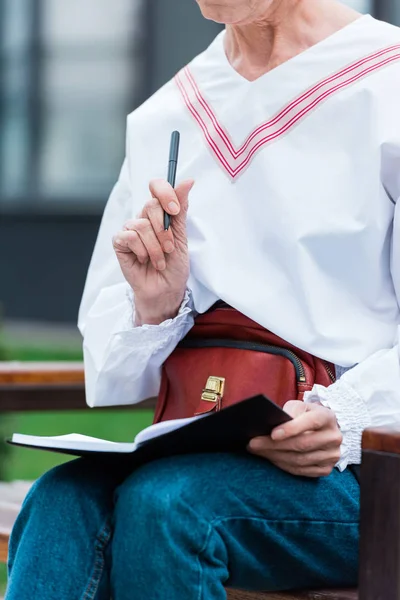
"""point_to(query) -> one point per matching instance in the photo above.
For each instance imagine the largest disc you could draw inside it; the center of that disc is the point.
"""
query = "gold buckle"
(214, 389)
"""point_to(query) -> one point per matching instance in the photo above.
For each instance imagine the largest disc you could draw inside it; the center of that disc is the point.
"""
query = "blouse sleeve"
(369, 394)
(122, 362)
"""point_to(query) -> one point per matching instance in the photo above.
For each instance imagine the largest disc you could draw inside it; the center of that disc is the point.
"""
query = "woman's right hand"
(155, 262)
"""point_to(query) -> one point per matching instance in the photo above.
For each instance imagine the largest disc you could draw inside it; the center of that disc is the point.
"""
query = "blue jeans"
(182, 528)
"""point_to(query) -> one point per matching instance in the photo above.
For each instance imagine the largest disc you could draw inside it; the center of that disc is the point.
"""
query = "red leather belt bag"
(227, 357)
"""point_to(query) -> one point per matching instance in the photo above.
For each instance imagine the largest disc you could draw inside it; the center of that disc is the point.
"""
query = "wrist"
(155, 312)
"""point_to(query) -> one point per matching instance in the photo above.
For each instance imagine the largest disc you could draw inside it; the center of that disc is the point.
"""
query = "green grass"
(27, 352)
(3, 578)
(117, 426)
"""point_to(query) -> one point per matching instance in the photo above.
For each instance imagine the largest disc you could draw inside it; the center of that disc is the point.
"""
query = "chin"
(227, 12)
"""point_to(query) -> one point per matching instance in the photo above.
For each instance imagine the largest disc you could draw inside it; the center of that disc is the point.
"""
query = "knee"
(61, 486)
(48, 490)
(62, 495)
(49, 502)
(157, 492)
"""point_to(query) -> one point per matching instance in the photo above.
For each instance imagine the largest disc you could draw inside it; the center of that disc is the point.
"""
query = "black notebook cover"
(229, 430)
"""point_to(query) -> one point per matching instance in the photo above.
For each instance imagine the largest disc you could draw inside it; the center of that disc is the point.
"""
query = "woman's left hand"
(308, 446)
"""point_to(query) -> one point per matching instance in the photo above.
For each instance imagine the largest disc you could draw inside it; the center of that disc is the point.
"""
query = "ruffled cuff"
(152, 333)
(351, 413)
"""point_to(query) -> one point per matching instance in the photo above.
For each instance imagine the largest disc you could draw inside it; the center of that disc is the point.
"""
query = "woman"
(291, 157)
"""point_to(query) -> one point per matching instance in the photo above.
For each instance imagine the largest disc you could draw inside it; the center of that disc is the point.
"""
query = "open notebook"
(229, 430)
(77, 442)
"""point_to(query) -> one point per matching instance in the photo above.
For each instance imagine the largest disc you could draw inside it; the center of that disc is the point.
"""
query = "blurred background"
(70, 72)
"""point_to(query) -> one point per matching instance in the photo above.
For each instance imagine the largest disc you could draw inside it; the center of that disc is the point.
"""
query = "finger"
(322, 458)
(314, 464)
(309, 441)
(322, 469)
(316, 417)
(146, 233)
(166, 195)
(312, 472)
(129, 242)
(154, 212)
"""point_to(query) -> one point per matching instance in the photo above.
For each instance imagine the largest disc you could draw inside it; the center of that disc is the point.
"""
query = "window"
(71, 72)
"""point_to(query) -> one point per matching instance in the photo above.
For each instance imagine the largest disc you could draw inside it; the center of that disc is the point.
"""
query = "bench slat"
(41, 373)
(26, 386)
(30, 386)
(3, 547)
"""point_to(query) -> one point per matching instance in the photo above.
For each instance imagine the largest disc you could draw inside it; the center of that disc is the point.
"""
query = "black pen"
(172, 167)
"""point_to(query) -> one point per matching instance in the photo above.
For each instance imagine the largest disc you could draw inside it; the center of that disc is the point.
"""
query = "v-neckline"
(288, 94)
(334, 38)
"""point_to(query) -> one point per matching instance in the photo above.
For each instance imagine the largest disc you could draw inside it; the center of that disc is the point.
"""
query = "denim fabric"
(182, 528)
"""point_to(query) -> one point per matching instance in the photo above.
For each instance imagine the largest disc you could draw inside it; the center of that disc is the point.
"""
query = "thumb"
(182, 191)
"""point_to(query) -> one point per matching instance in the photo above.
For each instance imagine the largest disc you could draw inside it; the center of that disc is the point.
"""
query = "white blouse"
(293, 220)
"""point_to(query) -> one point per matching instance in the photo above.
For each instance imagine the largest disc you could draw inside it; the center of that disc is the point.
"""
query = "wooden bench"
(60, 386)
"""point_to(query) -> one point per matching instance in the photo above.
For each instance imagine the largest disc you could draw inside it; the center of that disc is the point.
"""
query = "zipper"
(329, 371)
(244, 345)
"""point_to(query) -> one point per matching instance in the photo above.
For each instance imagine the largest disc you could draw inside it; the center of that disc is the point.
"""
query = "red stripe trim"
(203, 127)
(234, 171)
(211, 114)
(309, 109)
(236, 153)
